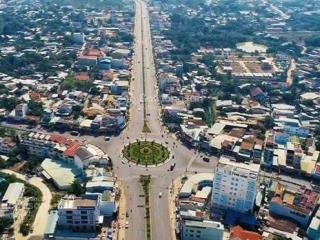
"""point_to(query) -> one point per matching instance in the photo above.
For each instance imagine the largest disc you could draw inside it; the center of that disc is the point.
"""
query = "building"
(20, 112)
(11, 199)
(58, 147)
(238, 233)
(295, 205)
(313, 231)
(78, 37)
(206, 230)
(235, 185)
(60, 173)
(195, 182)
(6, 145)
(81, 214)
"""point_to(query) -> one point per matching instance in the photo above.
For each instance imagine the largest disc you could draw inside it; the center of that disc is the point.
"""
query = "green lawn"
(146, 153)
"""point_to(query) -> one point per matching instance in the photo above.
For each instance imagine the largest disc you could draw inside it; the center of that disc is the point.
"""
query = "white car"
(160, 194)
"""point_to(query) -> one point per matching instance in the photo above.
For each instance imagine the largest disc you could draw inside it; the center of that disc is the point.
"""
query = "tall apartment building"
(79, 213)
(235, 185)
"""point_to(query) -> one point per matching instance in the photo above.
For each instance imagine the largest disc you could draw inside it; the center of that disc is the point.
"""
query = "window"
(69, 217)
(68, 212)
(84, 217)
(83, 212)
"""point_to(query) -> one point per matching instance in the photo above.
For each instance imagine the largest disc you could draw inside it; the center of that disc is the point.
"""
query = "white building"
(11, 199)
(79, 213)
(234, 185)
(58, 147)
(206, 230)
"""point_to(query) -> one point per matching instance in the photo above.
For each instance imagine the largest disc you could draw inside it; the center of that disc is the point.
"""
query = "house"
(20, 112)
(313, 231)
(298, 206)
(257, 94)
(82, 76)
(120, 53)
(238, 233)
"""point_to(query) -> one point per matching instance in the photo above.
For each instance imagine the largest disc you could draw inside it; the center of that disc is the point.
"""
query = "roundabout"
(146, 153)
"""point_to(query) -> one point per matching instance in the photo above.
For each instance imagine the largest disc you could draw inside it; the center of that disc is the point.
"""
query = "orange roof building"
(238, 233)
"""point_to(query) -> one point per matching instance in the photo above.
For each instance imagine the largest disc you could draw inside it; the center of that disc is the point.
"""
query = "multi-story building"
(235, 185)
(206, 230)
(61, 148)
(6, 145)
(79, 213)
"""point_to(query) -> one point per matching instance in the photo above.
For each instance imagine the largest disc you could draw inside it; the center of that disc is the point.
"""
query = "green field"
(146, 153)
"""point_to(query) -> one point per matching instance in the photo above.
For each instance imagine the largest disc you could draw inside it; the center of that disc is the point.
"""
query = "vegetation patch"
(146, 153)
(146, 128)
(145, 182)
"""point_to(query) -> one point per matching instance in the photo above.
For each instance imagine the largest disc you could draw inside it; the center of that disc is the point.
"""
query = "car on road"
(74, 133)
(160, 194)
(127, 224)
(206, 159)
(107, 138)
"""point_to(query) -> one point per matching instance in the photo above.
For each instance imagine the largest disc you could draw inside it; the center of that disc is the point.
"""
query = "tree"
(35, 108)
(268, 122)
(76, 188)
(4, 224)
(8, 103)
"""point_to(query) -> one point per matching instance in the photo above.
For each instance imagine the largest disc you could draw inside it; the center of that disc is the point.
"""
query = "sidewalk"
(174, 190)
(122, 215)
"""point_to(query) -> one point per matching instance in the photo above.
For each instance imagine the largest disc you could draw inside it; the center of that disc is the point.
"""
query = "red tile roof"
(93, 52)
(255, 91)
(82, 76)
(71, 150)
(239, 233)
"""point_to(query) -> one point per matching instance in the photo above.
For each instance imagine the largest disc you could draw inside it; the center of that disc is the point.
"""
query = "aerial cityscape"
(160, 119)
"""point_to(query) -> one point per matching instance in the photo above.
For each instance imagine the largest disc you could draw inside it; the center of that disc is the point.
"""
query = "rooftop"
(72, 202)
(226, 162)
(13, 193)
(239, 233)
(204, 224)
(61, 173)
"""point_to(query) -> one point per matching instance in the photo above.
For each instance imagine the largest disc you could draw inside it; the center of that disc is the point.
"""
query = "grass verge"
(145, 182)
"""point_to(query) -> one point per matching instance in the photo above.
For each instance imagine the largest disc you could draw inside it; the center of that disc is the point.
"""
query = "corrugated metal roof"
(13, 193)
